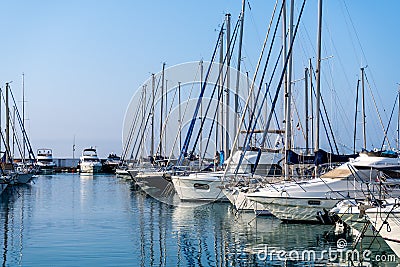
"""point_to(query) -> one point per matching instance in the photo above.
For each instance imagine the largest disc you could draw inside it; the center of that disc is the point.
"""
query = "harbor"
(103, 220)
(247, 134)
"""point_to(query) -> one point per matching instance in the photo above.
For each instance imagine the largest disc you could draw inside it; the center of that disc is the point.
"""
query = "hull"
(90, 168)
(238, 199)
(46, 169)
(122, 172)
(387, 222)
(302, 200)
(3, 187)
(296, 209)
(156, 185)
(199, 187)
(23, 178)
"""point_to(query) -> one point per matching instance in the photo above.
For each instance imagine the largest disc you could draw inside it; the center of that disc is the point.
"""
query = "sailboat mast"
(162, 107)
(220, 92)
(363, 109)
(228, 63)
(355, 119)
(398, 119)
(306, 108)
(7, 125)
(318, 81)
(180, 116)
(166, 117)
(152, 115)
(236, 118)
(201, 113)
(23, 114)
(286, 91)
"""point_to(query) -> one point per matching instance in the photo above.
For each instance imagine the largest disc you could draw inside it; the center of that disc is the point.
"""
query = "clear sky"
(84, 60)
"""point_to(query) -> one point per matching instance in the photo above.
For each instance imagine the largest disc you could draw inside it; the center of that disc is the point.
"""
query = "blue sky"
(84, 60)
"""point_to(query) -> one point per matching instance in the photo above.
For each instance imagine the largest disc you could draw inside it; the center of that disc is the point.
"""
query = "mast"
(13, 136)
(201, 112)
(143, 116)
(318, 81)
(355, 119)
(23, 114)
(180, 116)
(398, 119)
(228, 63)
(166, 117)
(363, 109)
(288, 85)
(306, 108)
(7, 125)
(310, 70)
(286, 92)
(152, 115)
(220, 92)
(162, 107)
(236, 118)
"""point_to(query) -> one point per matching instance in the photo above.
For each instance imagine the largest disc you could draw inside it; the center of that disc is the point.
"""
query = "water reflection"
(73, 220)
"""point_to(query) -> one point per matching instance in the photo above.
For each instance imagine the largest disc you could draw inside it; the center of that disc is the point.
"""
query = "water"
(84, 220)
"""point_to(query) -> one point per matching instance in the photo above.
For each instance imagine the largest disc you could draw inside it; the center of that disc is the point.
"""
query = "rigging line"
(249, 134)
(184, 113)
(251, 87)
(355, 31)
(361, 47)
(282, 75)
(327, 118)
(298, 117)
(387, 129)
(132, 129)
(377, 110)
(212, 124)
(149, 114)
(169, 112)
(276, 119)
(24, 133)
(193, 121)
(4, 141)
(383, 221)
(228, 53)
(252, 124)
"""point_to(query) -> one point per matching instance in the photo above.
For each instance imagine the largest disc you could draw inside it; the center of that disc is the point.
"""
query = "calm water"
(101, 220)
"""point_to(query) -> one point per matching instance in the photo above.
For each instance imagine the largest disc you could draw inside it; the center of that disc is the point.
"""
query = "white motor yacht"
(89, 161)
(44, 161)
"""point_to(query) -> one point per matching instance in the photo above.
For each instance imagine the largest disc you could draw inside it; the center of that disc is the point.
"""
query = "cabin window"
(314, 202)
(201, 186)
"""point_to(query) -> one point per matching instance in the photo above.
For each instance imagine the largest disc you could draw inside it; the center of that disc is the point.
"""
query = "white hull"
(199, 187)
(90, 168)
(241, 203)
(297, 209)
(302, 201)
(390, 232)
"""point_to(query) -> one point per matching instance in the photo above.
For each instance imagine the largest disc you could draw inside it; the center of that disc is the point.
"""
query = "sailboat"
(23, 172)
